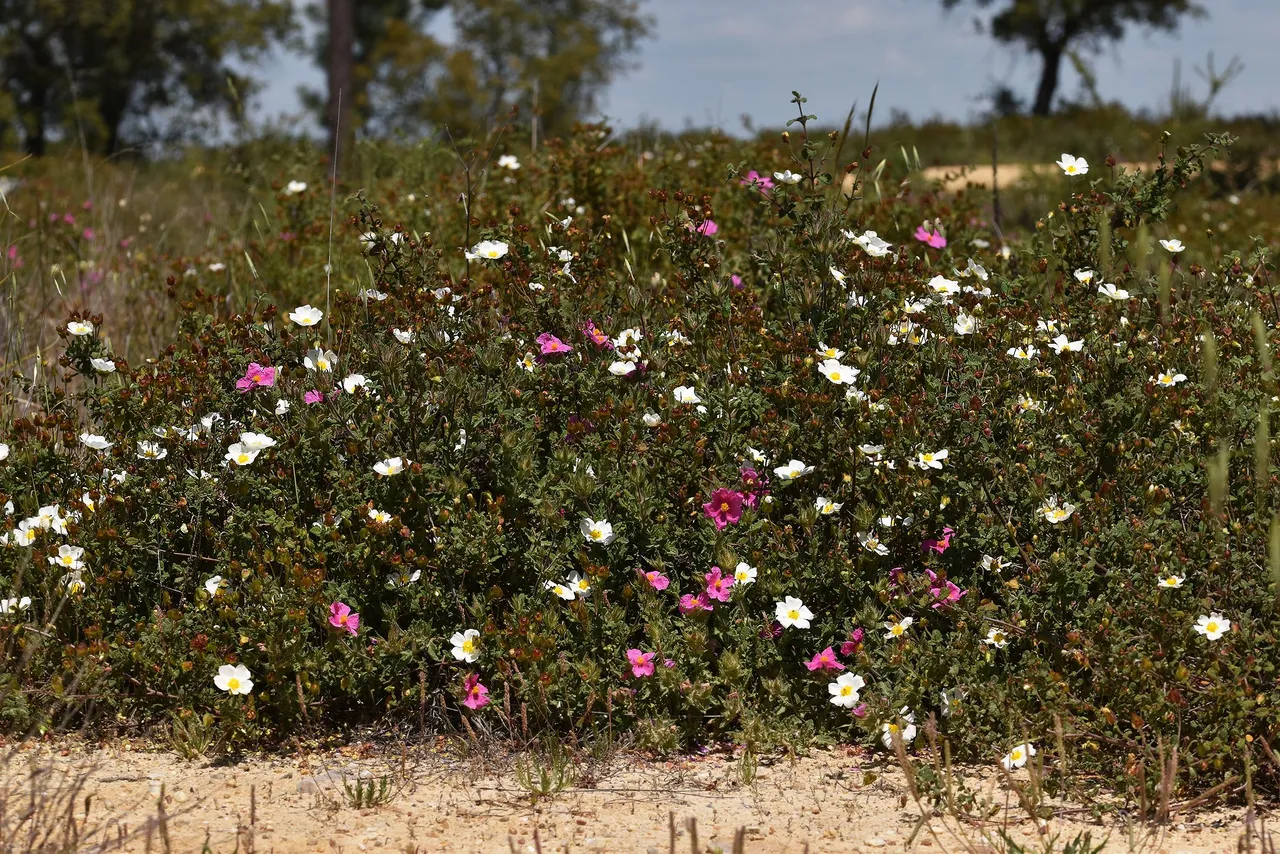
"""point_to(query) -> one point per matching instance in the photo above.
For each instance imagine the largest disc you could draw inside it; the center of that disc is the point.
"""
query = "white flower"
(68, 557)
(560, 590)
(745, 573)
(103, 366)
(1023, 354)
(404, 336)
(295, 187)
(838, 275)
(1172, 582)
(871, 243)
(1168, 379)
(1175, 246)
(151, 451)
(1017, 757)
(4, 452)
(1062, 345)
(528, 362)
(306, 315)
(898, 629)
(844, 691)
(827, 353)
(213, 585)
(966, 324)
(871, 542)
(786, 177)
(944, 286)
(792, 470)
(838, 373)
(758, 456)
(379, 517)
(596, 531)
(1029, 404)
(464, 646)
(652, 419)
(997, 638)
(320, 360)
(1084, 277)
(906, 730)
(234, 679)
(1073, 165)
(1111, 292)
(580, 585)
(826, 506)
(390, 466)
(25, 533)
(353, 382)
(994, 564)
(792, 613)
(916, 306)
(1053, 512)
(686, 394)
(487, 249)
(256, 441)
(508, 161)
(74, 582)
(1212, 626)
(239, 455)
(80, 328)
(282, 407)
(931, 459)
(622, 368)
(13, 605)
(975, 269)
(372, 294)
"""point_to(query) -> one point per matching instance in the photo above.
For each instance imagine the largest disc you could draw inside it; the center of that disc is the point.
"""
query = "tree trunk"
(342, 27)
(1052, 56)
(33, 124)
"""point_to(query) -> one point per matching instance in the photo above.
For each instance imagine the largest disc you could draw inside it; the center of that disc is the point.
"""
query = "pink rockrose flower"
(940, 545)
(256, 376)
(596, 335)
(724, 508)
(719, 585)
(707, 228)
(690, 603)
(761, 182)
(933, 238)
(475, 695)
(342, 618)
(656, 579)
(854, 644)
(313, 396)
(552, 346)
(641, 662)
(825, 660)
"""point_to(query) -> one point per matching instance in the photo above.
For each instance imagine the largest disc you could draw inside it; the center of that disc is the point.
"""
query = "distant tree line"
(118, 73)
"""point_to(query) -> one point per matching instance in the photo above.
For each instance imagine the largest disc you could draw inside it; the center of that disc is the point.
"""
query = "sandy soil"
(836, 801)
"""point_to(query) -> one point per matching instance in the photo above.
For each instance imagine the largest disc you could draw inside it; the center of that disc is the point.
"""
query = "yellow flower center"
(468, 646)
(894, 728)
(793, 614)
(595, 534)
(1211, 626)
(233, 684)
(1016, 755)
(846, 691)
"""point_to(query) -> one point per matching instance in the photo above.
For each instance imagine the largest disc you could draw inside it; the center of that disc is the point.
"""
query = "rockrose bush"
(767, 460)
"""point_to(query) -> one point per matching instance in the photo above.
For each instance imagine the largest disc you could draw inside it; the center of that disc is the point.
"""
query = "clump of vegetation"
(597, 439)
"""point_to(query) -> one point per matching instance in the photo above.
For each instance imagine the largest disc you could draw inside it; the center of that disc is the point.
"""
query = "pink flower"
(551, 345)
(88, 234)
(854, 644)
(724, 508)
(761, 182)
(690, 603)
(641, 662)
(313, 396)
(736, 281)
(718, 584)
(476, 696)
(825, 660)
(656, 579)
(669, 663)
(941, 545)
(860, 711)
(944, 593)
(596, 335)
(933, 238)
(772, 630)
(256, 376)
(707, 228)
(342, 618)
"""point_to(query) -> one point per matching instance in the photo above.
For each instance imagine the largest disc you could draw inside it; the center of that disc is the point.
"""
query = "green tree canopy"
(1050, 28)
(504, 51)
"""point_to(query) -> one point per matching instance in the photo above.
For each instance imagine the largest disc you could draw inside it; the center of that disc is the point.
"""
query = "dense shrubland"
(687, 445)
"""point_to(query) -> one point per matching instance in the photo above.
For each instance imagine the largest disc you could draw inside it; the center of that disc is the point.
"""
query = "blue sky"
(711, 61)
